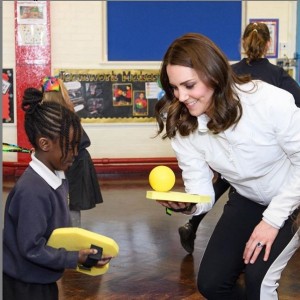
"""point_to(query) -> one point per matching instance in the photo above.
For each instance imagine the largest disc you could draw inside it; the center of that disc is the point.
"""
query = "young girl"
(38, 204)
(84, 188)
(248, 132)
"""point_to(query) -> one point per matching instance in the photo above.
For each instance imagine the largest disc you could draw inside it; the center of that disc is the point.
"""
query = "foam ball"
(162, 178)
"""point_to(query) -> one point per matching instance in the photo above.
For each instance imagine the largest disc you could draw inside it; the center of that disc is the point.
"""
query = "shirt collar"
(53, 179)
(202, 123)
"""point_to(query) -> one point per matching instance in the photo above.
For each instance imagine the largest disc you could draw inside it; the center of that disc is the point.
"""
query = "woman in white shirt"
(249, 132)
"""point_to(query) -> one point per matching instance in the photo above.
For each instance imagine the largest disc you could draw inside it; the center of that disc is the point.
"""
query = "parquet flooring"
(151, 263)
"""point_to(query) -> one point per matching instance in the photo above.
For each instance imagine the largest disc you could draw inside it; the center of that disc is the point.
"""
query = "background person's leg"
(75, 216)
(187, 232)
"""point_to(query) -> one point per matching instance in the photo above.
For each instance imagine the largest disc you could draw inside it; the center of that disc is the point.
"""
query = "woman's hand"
(187, 208)
(262, 236)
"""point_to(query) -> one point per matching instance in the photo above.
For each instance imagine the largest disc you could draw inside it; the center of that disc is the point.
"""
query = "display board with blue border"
(142, 30)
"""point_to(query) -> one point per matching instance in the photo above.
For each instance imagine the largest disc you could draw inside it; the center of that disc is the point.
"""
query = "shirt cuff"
(277, 226)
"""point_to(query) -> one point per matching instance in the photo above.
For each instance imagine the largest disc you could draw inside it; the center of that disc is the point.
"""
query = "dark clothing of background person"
(84, 188)
(262, 69)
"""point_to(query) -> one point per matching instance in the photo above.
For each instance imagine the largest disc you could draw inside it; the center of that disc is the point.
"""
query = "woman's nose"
(182, 96)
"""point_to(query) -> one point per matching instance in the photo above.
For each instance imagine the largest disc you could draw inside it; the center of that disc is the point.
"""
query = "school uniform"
(34, 208)
(262, 69)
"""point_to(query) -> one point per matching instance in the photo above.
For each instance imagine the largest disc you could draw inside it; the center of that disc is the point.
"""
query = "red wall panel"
(33, 57)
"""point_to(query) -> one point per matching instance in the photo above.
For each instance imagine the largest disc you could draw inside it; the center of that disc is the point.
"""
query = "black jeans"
(220, 187)
(223, 262)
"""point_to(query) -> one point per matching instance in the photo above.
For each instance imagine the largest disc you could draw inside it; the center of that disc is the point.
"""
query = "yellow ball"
(162, 178)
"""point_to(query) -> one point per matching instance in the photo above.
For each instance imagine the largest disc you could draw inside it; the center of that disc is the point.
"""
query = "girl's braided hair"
(49, 119)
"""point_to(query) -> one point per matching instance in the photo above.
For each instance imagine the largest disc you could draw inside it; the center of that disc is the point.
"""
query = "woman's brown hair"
(200, 53)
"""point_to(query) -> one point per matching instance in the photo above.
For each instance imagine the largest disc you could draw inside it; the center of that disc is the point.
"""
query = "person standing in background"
(84, 188)
(256, 42)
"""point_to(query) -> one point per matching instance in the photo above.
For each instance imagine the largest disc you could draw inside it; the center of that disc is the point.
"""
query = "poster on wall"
(31, 23)
(112, 95)
(7, 96)
(32, 35)
(29, 12)
(273, 25)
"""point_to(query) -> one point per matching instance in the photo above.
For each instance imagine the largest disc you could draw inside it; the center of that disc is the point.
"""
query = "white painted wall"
(78, 40)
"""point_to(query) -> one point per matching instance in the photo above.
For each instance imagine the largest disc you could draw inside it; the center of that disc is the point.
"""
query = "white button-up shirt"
(260, 156)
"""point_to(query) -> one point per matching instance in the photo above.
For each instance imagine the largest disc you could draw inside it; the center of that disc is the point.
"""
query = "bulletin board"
(142, 30)
(112, 95)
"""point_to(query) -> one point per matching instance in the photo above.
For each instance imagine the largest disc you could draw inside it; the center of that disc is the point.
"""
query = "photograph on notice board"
(140, 107)
(122, 94)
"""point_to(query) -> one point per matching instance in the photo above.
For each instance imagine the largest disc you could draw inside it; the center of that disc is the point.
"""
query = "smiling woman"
(218, 121)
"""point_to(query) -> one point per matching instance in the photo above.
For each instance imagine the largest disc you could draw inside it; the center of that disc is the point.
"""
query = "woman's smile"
(190, 103)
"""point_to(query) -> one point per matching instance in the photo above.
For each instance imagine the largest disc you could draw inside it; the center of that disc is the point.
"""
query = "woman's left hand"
(262, 236)
(177, 206)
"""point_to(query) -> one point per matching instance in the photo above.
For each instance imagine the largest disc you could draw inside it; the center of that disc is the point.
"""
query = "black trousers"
(220, 187)
(14, 289)
(223, 262)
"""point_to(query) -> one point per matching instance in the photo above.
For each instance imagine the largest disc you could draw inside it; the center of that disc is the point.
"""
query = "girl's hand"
(84, 253)
(103, 261)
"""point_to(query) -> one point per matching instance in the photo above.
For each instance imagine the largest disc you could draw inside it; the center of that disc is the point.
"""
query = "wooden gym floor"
(151, 263)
